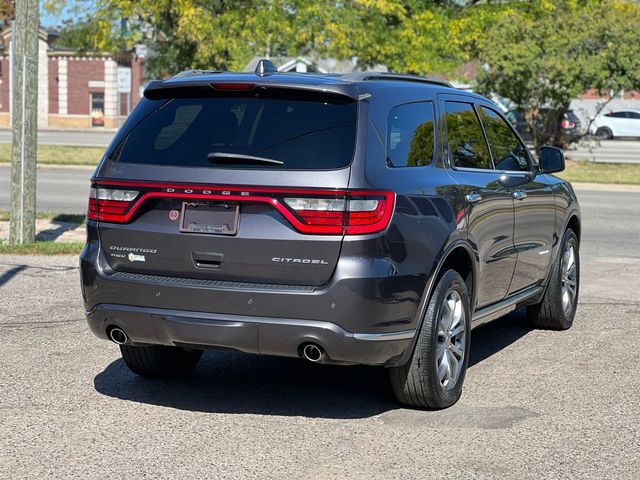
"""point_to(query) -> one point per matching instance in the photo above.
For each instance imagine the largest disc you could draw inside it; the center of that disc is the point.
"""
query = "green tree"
(543, 54)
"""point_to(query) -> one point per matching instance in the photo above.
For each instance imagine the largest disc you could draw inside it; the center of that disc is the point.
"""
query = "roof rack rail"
(194, 73)
(363, 76)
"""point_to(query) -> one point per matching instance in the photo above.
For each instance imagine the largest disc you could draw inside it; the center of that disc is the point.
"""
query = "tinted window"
(410, 135)
(467, 147)
(507, 150)
(634, 115)
(304, 134)
(617, 115)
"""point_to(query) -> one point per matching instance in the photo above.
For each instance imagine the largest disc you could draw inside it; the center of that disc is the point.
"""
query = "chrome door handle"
(519, 194)
(473, 197)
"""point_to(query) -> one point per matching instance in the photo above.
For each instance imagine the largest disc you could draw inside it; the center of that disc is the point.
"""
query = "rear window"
(302, 134)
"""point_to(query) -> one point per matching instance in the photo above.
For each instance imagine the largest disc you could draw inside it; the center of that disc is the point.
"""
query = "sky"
(49, 20)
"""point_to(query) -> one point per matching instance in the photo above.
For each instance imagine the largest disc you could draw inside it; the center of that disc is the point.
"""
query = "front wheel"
(557, 309)
(434, 376)
(160, 361)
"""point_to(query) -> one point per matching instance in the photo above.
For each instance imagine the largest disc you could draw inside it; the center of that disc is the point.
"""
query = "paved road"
(607, 151)
(536, 404)
(60, 190)
(93, 138)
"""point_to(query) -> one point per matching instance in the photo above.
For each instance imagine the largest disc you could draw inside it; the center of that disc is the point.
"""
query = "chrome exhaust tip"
(313, 352)
(117, 335)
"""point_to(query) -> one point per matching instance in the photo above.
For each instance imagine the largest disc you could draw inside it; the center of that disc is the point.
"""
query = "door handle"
(473, 197)
(519, 194)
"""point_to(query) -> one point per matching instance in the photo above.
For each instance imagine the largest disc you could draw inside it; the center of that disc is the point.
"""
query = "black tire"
(550, 313)
(159, 361)
(417, 383)
(604, 133)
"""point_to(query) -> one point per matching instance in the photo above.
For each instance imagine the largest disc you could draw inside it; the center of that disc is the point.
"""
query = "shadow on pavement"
(497, 335)
(9, 274)
(239, 384)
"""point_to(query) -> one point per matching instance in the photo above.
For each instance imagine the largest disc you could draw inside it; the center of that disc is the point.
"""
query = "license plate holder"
(211, 218)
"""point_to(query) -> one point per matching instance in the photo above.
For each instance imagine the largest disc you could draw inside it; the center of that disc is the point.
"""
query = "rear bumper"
(259, 335)
(363, 316)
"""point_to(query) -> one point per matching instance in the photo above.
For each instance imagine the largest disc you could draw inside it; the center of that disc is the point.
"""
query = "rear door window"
(465, 140)
(506, 148)
(410, 135)
(302, 134)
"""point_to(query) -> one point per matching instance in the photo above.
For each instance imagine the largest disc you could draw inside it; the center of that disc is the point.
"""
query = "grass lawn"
(42, 248)
(5, 216)
(59, 154)
(590, 172)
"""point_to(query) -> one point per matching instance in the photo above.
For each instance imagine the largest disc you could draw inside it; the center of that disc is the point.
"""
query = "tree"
(542, 55)
(410, 35)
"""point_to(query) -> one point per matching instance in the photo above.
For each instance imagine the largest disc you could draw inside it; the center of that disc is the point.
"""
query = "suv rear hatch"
(225, 186)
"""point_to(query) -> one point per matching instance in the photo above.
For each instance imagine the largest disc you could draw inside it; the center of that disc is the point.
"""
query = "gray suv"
(364, 218)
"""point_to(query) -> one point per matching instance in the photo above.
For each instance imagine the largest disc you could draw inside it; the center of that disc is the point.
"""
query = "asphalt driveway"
(536, 404)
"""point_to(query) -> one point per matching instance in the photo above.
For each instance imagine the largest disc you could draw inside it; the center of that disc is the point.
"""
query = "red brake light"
(233, 86)
(319, 212)
(567, 123)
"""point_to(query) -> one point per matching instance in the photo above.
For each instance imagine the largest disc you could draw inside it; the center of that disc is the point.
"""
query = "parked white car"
(616, 124)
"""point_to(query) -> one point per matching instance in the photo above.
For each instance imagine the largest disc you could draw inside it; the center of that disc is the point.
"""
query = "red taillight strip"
(313, 223)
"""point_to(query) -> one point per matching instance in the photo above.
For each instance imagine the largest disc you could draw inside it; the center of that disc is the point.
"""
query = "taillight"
(109, 204)
(358, 213)
(567, 123)
(310, 211)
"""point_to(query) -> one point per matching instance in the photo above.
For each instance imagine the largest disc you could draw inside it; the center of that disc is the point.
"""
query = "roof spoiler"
(206, 87)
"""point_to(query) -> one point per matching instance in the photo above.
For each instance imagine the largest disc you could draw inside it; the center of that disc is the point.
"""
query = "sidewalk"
(51, 231)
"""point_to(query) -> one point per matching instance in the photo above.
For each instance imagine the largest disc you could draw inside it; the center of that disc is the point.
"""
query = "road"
(607, 151)
(60, 190)
(536, 404)
(82, 138)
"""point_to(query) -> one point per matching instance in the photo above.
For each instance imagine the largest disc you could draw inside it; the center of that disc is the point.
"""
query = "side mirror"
(551, 159)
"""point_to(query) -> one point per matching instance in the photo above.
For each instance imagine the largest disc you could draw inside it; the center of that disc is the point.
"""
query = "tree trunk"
(24, 77)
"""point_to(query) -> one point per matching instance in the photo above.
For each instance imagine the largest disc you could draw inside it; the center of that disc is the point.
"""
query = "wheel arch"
(574, 224)
(458, 256)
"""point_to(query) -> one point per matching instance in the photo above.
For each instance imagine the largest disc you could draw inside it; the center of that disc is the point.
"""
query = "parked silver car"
(616, 124)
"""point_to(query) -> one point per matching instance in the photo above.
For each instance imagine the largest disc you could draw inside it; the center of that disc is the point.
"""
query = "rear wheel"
(434, 376)
(160, 361)
(557, 309)
(604, 133)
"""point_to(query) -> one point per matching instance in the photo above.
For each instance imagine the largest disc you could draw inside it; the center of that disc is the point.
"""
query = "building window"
(97, 109)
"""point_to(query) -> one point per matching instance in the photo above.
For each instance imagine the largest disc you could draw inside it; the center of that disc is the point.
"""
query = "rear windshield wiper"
(223, 157)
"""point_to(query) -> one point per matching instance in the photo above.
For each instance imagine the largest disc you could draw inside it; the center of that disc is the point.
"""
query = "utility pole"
(24, 79)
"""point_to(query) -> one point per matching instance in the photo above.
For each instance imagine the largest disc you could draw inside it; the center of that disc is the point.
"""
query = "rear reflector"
(319, 212)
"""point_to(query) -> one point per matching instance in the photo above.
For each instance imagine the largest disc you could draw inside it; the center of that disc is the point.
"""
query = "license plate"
(216, 218)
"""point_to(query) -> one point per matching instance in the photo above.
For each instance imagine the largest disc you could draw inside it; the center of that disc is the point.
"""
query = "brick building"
(76, 90)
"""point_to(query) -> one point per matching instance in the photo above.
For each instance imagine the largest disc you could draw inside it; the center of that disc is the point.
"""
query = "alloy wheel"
(569, 279)
(451, 340)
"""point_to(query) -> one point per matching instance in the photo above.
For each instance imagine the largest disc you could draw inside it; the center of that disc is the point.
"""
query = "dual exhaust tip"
(312, 352)
(118, 336)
